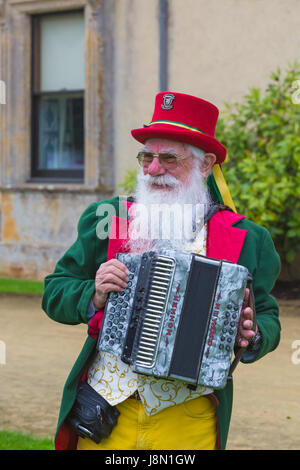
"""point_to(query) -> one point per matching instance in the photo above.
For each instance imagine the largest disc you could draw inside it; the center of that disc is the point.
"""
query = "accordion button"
(222, 338)
(228, 348)
(106, 338)
(232, 323)
(231, 332)
(229, 340)
(111, 342)
(221, 346)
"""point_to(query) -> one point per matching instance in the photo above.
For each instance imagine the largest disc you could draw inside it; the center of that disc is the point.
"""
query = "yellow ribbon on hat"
(222, 186)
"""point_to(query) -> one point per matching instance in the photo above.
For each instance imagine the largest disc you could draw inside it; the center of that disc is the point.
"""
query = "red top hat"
(184, 118)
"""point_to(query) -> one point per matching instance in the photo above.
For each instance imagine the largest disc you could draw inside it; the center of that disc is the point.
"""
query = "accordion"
(177, 318)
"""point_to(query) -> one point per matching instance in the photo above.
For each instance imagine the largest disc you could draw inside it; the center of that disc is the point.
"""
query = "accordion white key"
(177, 318)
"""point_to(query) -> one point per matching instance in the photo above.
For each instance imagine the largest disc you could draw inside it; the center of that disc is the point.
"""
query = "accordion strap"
(214, 208)
(241, 350)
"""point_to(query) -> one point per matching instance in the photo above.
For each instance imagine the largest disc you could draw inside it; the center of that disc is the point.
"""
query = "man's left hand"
(245, 328)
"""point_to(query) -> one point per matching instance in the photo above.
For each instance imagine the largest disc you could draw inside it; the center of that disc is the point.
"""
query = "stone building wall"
(216, 50)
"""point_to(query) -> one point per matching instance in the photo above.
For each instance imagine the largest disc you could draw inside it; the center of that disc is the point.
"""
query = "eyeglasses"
(169, 161)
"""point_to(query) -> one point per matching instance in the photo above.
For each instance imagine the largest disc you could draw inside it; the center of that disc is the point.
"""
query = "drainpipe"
(163, 45)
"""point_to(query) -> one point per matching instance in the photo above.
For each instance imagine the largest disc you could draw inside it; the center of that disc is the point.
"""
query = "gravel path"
(40, 354)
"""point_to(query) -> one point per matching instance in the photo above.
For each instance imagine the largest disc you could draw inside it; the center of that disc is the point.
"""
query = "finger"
(247, 314)
(117, 272)
(243, 343)
(118, 264)
(111, 278)
(110, 287)
(247, 325)
(246, 298)
(114, 270)
(247, 334)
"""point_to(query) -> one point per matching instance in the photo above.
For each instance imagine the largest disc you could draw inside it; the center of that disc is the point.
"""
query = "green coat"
(69, 289)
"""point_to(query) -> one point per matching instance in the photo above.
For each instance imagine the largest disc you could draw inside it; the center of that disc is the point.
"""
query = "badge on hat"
(168, 100)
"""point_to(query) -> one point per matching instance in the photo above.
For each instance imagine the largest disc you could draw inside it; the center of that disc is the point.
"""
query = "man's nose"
(155, 168)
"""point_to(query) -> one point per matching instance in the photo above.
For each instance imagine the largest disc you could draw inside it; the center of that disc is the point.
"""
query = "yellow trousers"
(189, 426)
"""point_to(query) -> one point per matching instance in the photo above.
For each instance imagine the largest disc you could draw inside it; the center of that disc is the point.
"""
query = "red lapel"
(223, 240)
(118, 234)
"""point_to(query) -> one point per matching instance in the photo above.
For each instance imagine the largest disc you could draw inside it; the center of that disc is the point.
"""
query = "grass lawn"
(21, 286)
(10, 440)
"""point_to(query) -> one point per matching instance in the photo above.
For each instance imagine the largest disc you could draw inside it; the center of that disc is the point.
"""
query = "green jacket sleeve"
(267, 311)
(69, 289)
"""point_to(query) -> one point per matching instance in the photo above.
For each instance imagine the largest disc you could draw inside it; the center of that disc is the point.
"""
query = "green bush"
(263, 141)
(129, 183)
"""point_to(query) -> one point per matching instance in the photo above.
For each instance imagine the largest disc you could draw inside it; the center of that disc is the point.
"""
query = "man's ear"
(207, 164)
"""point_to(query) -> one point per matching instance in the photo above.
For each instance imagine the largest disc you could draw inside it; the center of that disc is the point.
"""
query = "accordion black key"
(177, 318)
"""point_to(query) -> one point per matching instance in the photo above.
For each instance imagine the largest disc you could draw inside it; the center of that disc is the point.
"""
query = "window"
(58, 81)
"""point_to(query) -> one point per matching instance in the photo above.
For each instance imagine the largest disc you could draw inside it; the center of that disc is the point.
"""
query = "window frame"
(71, 175)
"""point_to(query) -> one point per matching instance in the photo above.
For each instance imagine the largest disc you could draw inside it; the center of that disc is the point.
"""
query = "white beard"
(167, 218)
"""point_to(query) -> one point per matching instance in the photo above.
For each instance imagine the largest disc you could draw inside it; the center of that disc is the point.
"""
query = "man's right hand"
(111, 276)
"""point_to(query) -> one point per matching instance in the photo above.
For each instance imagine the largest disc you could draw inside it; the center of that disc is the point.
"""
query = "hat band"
(178, 124)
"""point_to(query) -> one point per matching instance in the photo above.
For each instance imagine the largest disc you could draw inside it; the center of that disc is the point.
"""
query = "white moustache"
(161, 180)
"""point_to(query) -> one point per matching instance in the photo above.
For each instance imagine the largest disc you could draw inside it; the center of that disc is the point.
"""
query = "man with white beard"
(169, 211)
(173, 208)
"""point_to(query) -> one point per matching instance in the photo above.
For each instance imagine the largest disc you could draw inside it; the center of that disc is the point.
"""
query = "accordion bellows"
(177, 318)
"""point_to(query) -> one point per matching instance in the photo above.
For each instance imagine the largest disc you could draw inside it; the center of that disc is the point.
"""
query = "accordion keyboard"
(161, 281)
